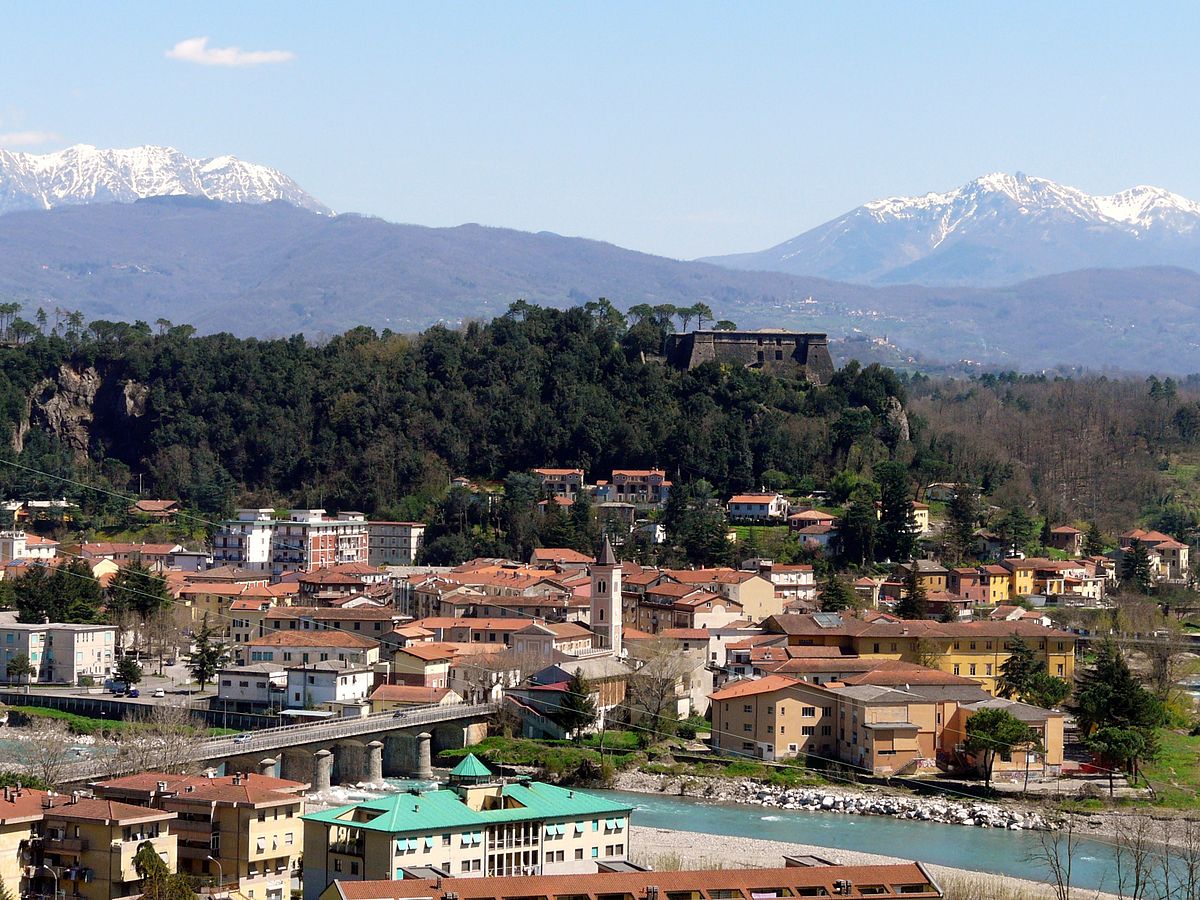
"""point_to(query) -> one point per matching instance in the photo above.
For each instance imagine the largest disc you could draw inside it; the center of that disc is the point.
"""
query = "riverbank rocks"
(871, 802)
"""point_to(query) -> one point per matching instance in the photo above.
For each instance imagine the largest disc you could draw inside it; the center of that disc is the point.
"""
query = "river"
(957, 846)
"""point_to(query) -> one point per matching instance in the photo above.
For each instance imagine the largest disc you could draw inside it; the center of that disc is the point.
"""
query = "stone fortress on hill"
(788, 354)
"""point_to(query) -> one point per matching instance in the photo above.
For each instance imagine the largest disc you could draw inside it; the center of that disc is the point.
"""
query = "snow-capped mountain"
(85, 174)
(996, 229)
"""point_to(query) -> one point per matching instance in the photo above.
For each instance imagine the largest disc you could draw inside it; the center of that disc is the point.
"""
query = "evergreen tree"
(128, 670)
(1135, 568)
(897, 535)
(67, 593)
(1093, 541)
(158, 881)
(913, 603)
(1017, 529)
(138, 590)
(1109, 694)
(576, 710)
(207, 654)
(1122, 747)
(1018, 671)
(962, 520)
(856, 531)
(993, 732)
(583, 521)
(836, 595)
(19, 667)
(1044, 536)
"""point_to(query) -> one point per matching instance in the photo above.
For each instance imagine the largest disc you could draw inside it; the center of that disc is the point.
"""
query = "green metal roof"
(443, 809)
(471, 767)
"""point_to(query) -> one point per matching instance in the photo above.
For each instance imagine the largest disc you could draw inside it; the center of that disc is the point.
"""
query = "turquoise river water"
(981, 849)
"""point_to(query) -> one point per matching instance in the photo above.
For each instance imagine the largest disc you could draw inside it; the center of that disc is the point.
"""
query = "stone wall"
(787, 354)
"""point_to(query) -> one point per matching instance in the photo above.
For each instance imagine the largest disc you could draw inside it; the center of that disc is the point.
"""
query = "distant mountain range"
(273, 269)
(995, 230)
(85, 174)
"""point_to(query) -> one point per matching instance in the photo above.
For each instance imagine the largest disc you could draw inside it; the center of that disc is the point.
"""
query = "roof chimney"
(161, 786)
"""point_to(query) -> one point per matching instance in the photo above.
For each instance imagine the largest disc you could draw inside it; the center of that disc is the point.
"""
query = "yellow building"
(388, 697)
(245, 829)
(20, 815)
(971, 649)
(932, 576)
(754, 594)
(998, 583)
(91, 844)
(1021, 577)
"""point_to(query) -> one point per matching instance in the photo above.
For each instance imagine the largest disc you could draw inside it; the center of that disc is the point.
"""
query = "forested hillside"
(380, 423)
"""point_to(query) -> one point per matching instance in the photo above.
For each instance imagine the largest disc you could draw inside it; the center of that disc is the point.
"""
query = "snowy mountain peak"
(86, 174)
(999, 228)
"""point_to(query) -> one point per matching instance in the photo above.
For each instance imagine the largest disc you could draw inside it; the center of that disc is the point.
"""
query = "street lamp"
(54, 875)
(220, 871)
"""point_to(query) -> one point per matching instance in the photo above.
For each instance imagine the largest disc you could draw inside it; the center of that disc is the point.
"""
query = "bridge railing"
(333, 729)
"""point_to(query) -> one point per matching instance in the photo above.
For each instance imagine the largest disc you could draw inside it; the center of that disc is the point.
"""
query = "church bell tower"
(606, 601)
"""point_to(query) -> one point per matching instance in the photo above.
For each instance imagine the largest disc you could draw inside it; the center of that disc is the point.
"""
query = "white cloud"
(27, 138)
(196, 50)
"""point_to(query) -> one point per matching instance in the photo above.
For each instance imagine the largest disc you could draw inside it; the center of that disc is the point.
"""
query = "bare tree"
(1056, 850)
(1135, 856)
(48, 750)
(165, 743)
(655, 686)
(1178, 872)
(163, 634)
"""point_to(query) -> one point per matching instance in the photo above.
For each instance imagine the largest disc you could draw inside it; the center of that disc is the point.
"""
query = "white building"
(253, 686)
(394, 543)
(328, 684)
(307, 539)
(20, 545)
(762, 507)
(60, 654)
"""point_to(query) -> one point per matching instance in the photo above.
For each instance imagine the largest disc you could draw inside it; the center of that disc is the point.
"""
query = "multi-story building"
(646, 487)
(477, 826)
(90, 844)
(764, 507)
(307, 539)
(974, 650)
(394, 543)
(152, 556)
(793, 583)
(560, 482)
(306, 647)
(330, 685)
(1173, 555)
(755, 594)
(244, 829)
(18, 544)
(20, 820)
(899, 881)
(253, 687)
(60, 653)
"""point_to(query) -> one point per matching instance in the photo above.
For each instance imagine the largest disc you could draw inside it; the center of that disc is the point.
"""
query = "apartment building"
(301, 647)
(566, 483)
(60, 653)
(307, 539)
(645, 487)
(252, 687)
(751, 591)
(332, 685)
(245, 829)
(90, 844)
(18, 544)
(394, 543)
(887, 882)
(972, 649)
(474, 827)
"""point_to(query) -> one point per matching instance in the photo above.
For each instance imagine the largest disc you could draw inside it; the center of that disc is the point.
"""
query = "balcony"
(348, 848)
(64, 844)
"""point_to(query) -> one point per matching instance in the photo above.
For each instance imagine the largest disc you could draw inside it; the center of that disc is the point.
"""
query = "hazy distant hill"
(995, 230)
(273, 269)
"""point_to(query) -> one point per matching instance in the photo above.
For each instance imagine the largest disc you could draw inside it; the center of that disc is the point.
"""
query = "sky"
(683, 129)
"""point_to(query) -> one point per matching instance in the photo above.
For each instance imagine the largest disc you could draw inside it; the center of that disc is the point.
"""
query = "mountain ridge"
(83, 174)
(995, 230)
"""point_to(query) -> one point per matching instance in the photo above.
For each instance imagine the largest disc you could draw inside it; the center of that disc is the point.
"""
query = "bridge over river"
(336, 751)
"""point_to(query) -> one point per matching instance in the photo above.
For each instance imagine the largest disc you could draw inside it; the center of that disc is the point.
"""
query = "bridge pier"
(322, 770)
(266, 767)
(349, 762)
(374, 768)
(424, 768)
(296, 764)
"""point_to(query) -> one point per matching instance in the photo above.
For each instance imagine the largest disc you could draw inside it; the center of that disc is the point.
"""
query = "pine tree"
(1018, 671)
(836, 595)
(128, 670)
(1135, 568)
(913, 603)
(205, 659)
(963, 519)
(897, 535)
(857, 532)
(1109, 694)
(576, 710)
(993, 732)
(1093, 541)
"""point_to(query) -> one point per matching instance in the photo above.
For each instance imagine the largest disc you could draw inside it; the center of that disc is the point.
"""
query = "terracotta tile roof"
(685, 634)
(408, 693)
(559, 472)
(753, 499)
(251, 787)
(36, 540)
(20, 804)
(893, 673)
(313, 638)
(98, 810)
(813, 515)
(156, 506)
(737, 882)
(329, 576)
(854, 627)
(817, 529)
(560, 555)
(711, 576)
(1065, 529)
(638, 473)
(755, 640)
(322, 613)
(431, 651)
(749, 687)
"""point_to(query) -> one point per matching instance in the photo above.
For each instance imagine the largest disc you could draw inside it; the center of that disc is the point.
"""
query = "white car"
(160, 693)
(243, 739)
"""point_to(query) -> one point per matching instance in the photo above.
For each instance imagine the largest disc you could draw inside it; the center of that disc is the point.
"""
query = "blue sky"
(677, 128)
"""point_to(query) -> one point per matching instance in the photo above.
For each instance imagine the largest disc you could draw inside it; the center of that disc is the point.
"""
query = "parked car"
(242, 739)
(134, 692)
(159, 692)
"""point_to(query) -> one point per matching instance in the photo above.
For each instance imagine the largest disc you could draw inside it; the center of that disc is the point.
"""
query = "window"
(826, 730)
(808, 711)
(778, 354)
(595, 853)
(972, 645)
(876, 648)
(987, 669)
(770, 729)
(747, 727)
(747, 708)
(337, 864)
(1060, 668)
(770, 710)
(956, 668)
(827, 710)
(971, 670)
(808, 731)
(579, 853)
